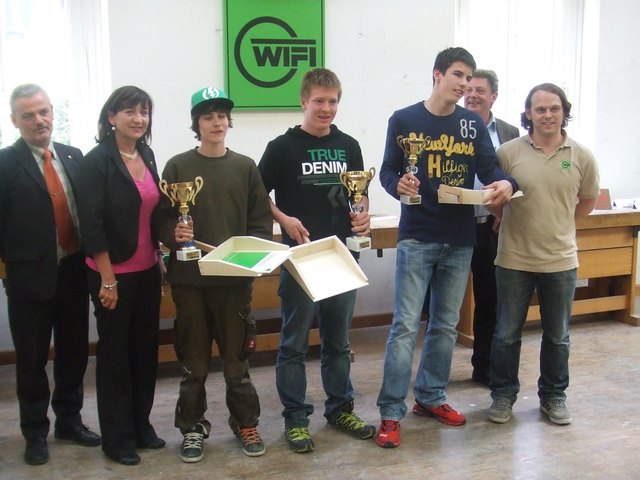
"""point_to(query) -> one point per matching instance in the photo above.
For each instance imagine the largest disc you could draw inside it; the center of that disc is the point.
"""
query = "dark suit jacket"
(28, 244)
(506, 131)
(109, 201)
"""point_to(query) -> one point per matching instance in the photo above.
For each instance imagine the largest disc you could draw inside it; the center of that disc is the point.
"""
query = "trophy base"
(358, 244)
(411, 199)
(188, 254)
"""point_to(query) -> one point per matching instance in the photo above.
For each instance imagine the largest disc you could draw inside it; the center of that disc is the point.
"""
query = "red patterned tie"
(67, 235)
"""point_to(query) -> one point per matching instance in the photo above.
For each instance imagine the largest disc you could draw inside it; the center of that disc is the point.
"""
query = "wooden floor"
(602, 442)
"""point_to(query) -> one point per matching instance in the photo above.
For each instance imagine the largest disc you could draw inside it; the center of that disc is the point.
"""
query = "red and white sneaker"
(388, 435)
(443, 413)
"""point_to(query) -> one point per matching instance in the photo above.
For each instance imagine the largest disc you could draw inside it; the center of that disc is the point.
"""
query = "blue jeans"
(555, 294)
(417, 264)
(298, 314)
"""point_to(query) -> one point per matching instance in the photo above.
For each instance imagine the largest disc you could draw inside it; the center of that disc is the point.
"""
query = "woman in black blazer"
(118, 195)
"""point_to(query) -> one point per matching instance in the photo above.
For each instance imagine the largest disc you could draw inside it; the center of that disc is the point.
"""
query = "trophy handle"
(198, 183)
(163, 185)
(372, 173)
(343, 180)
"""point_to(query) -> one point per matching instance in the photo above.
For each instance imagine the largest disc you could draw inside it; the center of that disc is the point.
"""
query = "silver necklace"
(130, 156)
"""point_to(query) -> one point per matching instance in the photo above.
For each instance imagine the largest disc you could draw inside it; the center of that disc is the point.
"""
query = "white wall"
(618, 98)
(382, 51)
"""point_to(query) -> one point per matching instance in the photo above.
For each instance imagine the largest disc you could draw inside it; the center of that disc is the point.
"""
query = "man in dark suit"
(45, 282)
(481, 94)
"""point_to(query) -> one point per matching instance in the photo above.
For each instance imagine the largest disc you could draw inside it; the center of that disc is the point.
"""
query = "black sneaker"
(191, 450)
(350, 423)
(252, 444)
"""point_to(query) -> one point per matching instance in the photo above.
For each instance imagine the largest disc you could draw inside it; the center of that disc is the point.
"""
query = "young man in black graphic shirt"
(302, 167)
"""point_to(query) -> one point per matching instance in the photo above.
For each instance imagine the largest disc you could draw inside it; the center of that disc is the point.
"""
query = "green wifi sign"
(270, 45)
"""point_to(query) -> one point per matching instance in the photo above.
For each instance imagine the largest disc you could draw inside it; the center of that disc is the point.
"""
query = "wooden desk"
(607, 252)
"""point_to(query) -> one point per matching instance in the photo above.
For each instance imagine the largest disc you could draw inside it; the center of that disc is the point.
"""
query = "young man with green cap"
(233, 201)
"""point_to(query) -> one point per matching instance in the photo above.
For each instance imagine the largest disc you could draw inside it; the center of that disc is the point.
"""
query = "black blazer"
(109, 201)
(28, 244)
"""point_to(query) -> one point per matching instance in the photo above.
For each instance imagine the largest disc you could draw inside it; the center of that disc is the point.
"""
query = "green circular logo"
(267, 52)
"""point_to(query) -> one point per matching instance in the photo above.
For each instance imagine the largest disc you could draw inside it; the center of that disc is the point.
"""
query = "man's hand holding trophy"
(356, 183)
(412, 146)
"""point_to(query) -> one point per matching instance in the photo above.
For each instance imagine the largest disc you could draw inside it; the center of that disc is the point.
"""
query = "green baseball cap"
(211, 94)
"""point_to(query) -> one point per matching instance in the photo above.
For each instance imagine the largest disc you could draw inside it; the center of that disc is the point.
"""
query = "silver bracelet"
(109, 287)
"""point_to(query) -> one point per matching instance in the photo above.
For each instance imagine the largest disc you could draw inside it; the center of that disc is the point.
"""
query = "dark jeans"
(31, 325)
(484, 293)
(298, 314)
(127, 360)
(555, 294)
(204, 315)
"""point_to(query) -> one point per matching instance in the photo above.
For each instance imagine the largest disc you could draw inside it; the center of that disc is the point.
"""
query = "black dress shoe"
(128, 460)
(79, 434)
(36, 452)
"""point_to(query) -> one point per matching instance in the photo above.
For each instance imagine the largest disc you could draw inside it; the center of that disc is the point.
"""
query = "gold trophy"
(356, 182)
(184, 193)
(412, 146)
